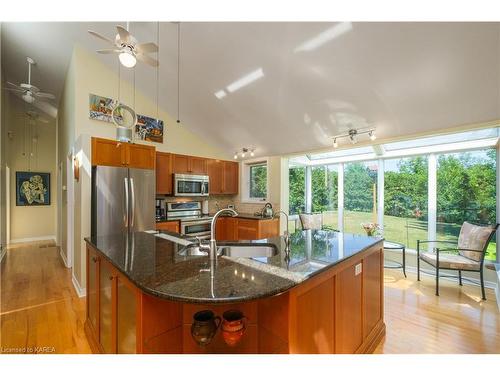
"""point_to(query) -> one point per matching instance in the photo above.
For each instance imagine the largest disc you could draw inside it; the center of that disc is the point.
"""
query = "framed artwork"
(149, 129)
(100, 108)
(32, 189)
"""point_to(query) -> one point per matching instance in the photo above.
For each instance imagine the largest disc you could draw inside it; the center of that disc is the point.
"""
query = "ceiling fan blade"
(146, 59)
(13, 89)
(45, 107)
(146, 47)
(124, 34)
(45, 95)
(14, 85)
(97, 35)
(107, 51)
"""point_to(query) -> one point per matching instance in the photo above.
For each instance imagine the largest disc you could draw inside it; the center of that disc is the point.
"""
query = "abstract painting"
(100, 108)
(32, 189)
(149, 129)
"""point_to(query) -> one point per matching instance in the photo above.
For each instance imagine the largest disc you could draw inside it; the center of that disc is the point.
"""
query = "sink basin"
(191, 251)
(266, 251)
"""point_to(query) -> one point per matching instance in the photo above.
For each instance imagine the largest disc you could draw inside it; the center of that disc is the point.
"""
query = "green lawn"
(403, 230)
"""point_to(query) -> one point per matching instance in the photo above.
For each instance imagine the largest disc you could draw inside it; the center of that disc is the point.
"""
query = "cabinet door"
(247, 229)
(163, 173)
(215, 172)
(180, 163)
(92, 282)
(140, 156)
(372, 291)
(231, 173)
(126, 313)
(198, 165)
(348, 309)
(106, 281)
(108, 152)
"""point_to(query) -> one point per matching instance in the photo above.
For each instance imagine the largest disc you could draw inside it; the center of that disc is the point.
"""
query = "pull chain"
(178, 68)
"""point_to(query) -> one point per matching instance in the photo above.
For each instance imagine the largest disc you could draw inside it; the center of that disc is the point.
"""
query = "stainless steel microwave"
(188, 185)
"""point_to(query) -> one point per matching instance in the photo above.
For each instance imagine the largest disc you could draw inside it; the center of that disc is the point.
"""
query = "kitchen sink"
(264, 251)
(191, 251)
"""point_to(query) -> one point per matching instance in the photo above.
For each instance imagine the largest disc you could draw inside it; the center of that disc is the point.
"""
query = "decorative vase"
(233, 326)
(204, 327)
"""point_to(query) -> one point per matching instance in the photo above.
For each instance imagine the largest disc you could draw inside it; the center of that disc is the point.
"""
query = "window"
(360, 192)
(297, 188)
(258, 181)
(466, 191)
(405, 200)
(324, 186)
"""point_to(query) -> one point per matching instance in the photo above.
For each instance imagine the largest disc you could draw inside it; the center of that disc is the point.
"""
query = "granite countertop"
(154, 265)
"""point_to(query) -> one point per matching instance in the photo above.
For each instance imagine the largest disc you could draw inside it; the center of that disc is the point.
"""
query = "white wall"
(26, 154)
(3, 134)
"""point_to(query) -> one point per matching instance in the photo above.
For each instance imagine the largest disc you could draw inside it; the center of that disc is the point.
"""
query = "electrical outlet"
(358, 269)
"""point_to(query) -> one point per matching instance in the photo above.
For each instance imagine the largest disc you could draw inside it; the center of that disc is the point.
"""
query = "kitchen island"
(325, 296)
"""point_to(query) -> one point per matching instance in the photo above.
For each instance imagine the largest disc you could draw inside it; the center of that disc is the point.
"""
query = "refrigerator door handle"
(132, 199)
(125, 214)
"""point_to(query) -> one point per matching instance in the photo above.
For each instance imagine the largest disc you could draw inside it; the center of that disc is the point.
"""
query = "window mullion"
(432, 197)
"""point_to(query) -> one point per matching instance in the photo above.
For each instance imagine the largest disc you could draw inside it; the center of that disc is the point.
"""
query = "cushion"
(311, 221)
(450, 260)
(474, 237)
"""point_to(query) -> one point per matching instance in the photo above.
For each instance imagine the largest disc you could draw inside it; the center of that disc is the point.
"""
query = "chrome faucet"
(285, 233)
(212, 248)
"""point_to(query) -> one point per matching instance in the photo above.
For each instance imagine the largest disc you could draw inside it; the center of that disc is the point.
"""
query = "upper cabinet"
(163, 173)
(223, 176)
(119, 154)
(186, 164)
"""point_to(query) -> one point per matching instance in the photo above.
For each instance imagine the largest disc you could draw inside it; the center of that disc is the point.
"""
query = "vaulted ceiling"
(289, 87)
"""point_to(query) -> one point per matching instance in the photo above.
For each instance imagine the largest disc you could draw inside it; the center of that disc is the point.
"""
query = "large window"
(466, 191)
(405, 200)
(360, 192)
(297, 188)
(258, 181)
(324, 187)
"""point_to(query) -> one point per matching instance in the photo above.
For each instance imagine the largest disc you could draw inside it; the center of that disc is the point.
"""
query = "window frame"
(246, 180)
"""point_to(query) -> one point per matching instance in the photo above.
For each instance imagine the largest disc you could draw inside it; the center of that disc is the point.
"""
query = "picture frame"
(32, 188)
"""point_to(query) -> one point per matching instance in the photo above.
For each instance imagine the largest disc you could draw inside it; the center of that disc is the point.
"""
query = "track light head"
(372, 136)
(335, 144)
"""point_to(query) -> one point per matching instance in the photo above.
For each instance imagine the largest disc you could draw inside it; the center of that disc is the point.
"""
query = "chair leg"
(482, 285)
(460, 277)
(418, 260)
(437, 281)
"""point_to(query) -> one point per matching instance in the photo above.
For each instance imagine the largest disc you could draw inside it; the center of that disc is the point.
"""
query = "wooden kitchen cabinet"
(164, 173)
(106, 329)
(234, 229)
(126, 316)
(189, 164)
(92, 289)
(223, 176)
(231, 177)
(215, 169)
(171, 226)
(121, 154)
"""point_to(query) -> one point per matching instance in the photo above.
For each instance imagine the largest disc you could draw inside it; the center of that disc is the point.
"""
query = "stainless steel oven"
(187, 185)
(196, 228)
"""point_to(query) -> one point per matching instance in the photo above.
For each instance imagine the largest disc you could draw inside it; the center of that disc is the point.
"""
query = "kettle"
(267, 211)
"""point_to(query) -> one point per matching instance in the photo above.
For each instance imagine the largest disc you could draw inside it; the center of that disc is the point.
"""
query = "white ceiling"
(319, 79)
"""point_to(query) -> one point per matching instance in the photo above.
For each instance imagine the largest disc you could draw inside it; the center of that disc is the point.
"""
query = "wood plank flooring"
(40, 309)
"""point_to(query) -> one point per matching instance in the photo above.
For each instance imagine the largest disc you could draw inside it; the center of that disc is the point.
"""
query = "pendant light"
(178, 68)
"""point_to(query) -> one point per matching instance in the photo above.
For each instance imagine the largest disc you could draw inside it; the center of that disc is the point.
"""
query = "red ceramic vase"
(233, 326)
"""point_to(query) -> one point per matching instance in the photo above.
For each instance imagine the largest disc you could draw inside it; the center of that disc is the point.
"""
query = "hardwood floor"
(39, 308)
(455, 322)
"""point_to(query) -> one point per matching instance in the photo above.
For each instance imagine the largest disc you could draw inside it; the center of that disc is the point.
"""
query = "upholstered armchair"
(466, 255)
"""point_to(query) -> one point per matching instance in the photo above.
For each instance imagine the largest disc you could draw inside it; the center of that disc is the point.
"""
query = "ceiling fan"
(27, 91)
(127, 48)
(35, 116)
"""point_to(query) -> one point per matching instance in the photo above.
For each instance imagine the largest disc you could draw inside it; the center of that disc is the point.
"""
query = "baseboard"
(82, 292)
(33, 239)
(63, 257)
(487, 284)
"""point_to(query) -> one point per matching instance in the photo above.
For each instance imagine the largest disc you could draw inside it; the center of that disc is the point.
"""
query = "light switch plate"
(358, 269)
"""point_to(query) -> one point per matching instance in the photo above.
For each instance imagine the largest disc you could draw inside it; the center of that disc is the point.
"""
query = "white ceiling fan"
(30, 93)
(127, 48)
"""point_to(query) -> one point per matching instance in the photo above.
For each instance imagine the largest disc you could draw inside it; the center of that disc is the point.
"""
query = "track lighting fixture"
(353, 135)
(243, 152)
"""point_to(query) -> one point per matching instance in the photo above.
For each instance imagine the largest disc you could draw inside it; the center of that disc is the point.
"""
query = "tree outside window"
(258, 181)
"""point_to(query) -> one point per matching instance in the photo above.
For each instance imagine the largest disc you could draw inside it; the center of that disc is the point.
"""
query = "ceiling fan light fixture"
(235, 155)
(28, 98)
(127, 59)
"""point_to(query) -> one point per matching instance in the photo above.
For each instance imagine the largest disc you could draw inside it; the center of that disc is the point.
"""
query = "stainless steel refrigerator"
(123, 200)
